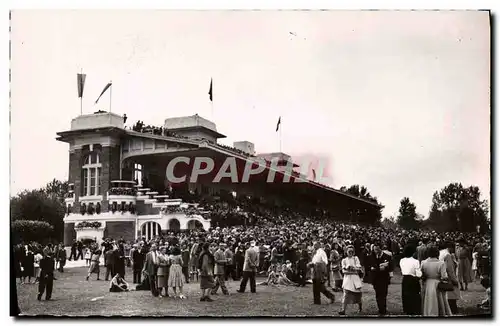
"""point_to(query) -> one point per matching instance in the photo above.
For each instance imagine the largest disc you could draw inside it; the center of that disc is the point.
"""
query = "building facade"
(119, 186)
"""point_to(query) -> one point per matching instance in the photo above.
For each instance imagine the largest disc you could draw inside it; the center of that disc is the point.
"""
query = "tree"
(57, 189)
(389, 223)
(27, 231)
(45, 204)
(456, 208)
(370, 215)
(407, 217)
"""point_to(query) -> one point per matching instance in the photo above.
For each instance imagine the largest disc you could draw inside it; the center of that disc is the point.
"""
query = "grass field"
(72, 296)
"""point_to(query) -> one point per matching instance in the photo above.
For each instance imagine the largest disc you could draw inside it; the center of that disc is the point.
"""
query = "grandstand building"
(119, 188)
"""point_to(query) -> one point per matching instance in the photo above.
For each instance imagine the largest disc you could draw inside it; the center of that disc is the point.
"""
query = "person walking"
(250, 268)
(46, 275)
(446, 256)
(381, 267)
(219, 270)
(352, 284)
(61, 258)
(94, 264)
(229, 268)
(206, 272)
(319, 264)
(109, 257)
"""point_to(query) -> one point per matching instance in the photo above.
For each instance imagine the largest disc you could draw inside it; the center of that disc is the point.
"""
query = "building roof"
(201, 128)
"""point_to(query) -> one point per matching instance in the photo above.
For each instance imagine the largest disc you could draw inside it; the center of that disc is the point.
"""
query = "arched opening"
(150, 230)
(194, 225)
(174, 225)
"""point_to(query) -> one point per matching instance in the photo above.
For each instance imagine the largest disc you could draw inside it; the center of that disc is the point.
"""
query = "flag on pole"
(103, 91)
(80, 79)
(210, 91)
(278, 124)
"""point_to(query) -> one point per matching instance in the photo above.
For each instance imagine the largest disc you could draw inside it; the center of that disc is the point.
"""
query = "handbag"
(445, 286)
(361, 273)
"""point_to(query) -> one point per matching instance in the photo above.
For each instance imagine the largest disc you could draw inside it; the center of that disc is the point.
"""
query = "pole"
(280, 133)
(81, 98)
(212, 105)
(110, 95)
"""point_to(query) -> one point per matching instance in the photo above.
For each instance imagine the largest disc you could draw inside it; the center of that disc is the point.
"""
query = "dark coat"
(47, 266)
(378, 275)
(138, 257)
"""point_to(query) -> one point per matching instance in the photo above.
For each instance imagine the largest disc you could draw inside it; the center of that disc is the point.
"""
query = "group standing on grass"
(333, 257)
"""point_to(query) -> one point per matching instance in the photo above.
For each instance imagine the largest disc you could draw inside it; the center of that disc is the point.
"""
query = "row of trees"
(37, 215)
(454, 208)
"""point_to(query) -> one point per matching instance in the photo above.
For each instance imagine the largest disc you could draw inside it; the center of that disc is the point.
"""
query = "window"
(91, 175)
(138, 173)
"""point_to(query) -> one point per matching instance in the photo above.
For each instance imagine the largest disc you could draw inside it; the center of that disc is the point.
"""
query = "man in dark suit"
(46, 275)
(120, 260)
(151, 268)
(138, 257)
(73, 251)
(381, 266)
(79, 246)
(109, 258)
(250, 268)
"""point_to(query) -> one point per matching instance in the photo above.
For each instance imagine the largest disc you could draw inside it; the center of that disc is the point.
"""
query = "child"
(118, 284)
(474, 265)
(88, 255)
(38, 257)
(486, 303)
(272, 278)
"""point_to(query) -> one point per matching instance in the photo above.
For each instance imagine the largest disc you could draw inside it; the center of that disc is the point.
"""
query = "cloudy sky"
(397, 101)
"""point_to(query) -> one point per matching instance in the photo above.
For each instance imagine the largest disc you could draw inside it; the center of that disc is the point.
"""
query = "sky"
(396, 101)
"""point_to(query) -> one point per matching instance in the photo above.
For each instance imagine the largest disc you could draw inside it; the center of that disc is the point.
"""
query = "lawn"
(73, 296)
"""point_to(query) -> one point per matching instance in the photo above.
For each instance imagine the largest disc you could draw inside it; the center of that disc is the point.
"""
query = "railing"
(119, 191)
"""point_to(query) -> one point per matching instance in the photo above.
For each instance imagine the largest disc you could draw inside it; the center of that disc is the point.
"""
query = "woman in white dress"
(352, 284)
(474, 264)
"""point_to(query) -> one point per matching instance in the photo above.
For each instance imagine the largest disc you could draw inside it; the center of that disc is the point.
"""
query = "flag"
(278, 124)
(80, 79)
(103, 91)
(210, 91)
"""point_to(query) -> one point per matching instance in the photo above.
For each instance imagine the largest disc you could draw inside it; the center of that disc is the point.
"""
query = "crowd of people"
(286, 248)
(139, 126)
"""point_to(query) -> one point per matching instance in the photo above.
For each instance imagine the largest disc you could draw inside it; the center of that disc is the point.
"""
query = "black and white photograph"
(250, 163)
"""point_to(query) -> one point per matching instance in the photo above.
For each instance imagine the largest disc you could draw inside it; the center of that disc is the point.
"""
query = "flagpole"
(212, 105)
(81, 98)
(280, 133)
(110, 95)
